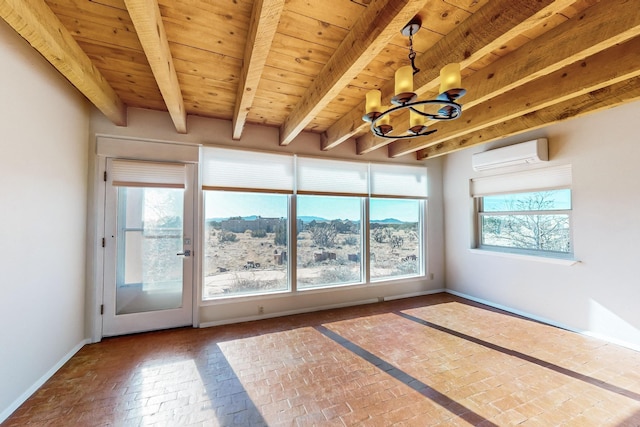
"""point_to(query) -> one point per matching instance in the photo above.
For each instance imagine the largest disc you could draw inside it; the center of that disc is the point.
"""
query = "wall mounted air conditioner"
(526, 152)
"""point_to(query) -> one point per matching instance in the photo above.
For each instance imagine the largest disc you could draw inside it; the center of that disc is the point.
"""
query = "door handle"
(185, 253)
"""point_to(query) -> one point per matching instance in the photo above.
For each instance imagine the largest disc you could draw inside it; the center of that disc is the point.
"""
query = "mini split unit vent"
(526, 152)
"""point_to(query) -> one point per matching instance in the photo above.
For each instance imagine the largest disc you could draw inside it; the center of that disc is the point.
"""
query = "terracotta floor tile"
(434, 360)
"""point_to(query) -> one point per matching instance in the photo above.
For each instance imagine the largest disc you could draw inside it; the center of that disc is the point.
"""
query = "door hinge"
(101, 309)
(104, 242)
(105, 176)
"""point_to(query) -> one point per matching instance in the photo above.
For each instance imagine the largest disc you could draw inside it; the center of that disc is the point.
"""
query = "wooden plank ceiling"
(305, 65)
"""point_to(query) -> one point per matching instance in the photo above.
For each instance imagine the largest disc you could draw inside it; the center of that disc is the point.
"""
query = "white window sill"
(548, 260)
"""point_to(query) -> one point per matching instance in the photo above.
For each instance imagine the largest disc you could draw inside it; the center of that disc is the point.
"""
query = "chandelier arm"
(452, 110)
(455, 108)
(409, 105)
(381, 135)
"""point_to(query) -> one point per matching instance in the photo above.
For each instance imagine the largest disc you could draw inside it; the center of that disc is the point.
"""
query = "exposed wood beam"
(37, 24)
(373, 30)
(591, 31)
(145, 15)
(608, 97)
(484, 31)
(264, 23)
(597, 71)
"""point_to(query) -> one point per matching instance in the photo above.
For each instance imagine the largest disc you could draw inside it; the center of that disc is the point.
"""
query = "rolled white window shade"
(521, 182)
(398, 180)
(224, 168)
(332, 176)
(131, 173)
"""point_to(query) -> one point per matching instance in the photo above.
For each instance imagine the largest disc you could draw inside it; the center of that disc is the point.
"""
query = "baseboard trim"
(414, 294)
(546, 321)
(313, 309)
(35, 386)
(284, 313)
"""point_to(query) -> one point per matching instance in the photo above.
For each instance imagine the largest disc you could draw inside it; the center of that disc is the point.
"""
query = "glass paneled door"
(148, 246)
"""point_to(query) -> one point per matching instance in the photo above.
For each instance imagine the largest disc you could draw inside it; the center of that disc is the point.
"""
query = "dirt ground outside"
(252, 262)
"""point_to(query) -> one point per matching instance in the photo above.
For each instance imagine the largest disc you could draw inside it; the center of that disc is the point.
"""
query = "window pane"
(532, 232)
(329, 241)
(245, 240)
(536, 201)
(395, 238)
(148, 272)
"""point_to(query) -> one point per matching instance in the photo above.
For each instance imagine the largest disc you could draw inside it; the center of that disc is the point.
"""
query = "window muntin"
(245, 243)
(329, 241)
(532, 222)
(395, 230)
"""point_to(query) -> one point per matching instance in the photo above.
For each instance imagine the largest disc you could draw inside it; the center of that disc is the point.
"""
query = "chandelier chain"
(412, 54)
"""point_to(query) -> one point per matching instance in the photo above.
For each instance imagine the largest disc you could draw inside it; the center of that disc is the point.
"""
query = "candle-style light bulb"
(450, 77)
(373, 104)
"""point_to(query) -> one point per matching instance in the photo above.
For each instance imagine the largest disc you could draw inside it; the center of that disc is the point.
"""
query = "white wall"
(43, 183)
(600, 294)
(151, 125)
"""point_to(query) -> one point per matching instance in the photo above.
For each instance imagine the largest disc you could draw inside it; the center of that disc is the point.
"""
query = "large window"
(534, 222)
(395, 237)
(282, 223)
(329, 240)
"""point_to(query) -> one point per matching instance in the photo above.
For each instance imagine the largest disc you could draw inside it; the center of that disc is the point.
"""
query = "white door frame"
(142, 321)
(135, 149)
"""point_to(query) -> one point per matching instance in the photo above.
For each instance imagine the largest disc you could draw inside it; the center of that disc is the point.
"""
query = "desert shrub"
(324, 235)
(382, 235)
(258, 233)
(350, 241)
(338, 274)
(226, 236)
(396, 242)
(280, 237)
(406, 268)
(377, 235)
(247, 285)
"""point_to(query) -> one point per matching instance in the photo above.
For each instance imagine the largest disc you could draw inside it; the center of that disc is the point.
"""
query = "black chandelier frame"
(450, 111)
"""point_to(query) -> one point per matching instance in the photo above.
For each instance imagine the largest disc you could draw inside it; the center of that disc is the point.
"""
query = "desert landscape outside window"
(537, 222)
(329, 243)
(245, 243)
(395, 237)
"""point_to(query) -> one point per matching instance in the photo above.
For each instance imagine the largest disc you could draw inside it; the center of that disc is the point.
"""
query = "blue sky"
(226, 204)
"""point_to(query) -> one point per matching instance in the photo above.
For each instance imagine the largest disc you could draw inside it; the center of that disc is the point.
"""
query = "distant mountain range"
(308, 219)
(387, 221)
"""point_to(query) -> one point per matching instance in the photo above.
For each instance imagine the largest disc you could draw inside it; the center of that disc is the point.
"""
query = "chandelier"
(442, 108)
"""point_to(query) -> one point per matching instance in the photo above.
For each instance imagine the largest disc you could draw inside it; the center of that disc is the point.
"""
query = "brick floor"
(437, 360)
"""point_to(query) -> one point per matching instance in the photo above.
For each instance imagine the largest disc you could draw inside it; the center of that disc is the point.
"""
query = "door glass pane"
(148, 272)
